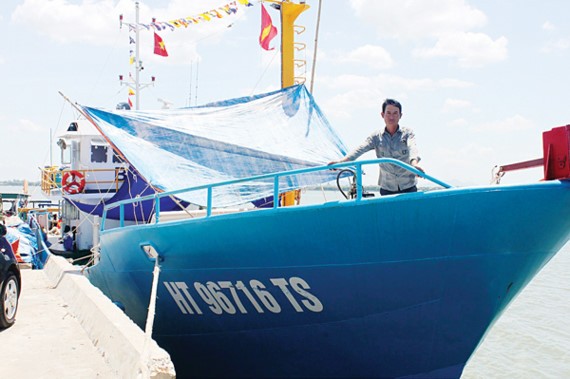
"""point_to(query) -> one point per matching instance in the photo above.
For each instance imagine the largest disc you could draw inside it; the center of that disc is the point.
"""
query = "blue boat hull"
(402, 286)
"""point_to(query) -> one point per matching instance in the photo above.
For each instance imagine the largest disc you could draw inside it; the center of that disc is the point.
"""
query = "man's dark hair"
(391, 102)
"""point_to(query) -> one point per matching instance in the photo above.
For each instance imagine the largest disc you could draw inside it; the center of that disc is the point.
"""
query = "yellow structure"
(289, 13)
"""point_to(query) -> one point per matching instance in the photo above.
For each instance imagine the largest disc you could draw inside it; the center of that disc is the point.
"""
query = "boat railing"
(52, 177)
(354, 165)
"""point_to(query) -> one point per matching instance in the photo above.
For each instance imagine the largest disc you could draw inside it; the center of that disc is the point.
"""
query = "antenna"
(196, 92)
(135, 83)
(190, 89)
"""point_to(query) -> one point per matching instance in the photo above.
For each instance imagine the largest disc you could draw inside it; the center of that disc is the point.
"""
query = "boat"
(396, 286)
(25, 222)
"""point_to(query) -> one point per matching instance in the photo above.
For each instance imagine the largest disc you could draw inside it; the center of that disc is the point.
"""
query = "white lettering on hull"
(226, 297)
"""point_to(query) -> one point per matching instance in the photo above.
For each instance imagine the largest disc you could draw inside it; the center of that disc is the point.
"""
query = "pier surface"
(66, 328)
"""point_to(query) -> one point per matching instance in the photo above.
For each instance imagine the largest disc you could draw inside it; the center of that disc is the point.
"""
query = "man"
(391, 142)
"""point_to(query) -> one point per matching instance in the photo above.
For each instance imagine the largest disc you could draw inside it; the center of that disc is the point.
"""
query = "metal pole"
(315, 52)
(138, 63)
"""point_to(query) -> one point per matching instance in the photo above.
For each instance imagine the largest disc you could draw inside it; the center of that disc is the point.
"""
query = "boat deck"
(66, 328)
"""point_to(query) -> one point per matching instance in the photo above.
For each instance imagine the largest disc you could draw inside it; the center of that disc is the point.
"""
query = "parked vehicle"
(10, 281)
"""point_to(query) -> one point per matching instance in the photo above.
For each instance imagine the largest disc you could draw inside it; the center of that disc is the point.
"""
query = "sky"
(479, 80)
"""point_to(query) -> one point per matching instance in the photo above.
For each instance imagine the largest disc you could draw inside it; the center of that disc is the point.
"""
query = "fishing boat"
(395, 286)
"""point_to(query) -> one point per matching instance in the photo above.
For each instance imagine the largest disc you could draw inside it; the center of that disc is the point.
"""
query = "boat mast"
(289, 13)
(137, 60)
(135, 83)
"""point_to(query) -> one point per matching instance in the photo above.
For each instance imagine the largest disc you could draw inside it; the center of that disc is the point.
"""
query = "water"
(532, 337)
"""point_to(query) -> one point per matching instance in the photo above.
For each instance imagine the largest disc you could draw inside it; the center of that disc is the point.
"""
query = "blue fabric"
(238, 138)
(133, 185)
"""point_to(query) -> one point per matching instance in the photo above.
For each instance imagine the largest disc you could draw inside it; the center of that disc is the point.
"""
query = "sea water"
(532, 337)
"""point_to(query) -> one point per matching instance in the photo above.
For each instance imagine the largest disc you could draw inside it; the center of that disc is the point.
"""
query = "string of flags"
(268, 30)
(220, 12)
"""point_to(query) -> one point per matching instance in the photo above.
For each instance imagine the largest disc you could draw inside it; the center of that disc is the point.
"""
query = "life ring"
(73, 182)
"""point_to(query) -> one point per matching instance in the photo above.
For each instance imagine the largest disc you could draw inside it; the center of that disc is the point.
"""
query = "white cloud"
(511, 124)
(452, 104)
(548, 26)
(390, 83)
(558, 45)
(363, 92)
(25, 125)
(64, 22)
(97, 23)
(342, 106)
(449, 22)
(419, 18)
(457, 123)
(470, 49)
(374, 56)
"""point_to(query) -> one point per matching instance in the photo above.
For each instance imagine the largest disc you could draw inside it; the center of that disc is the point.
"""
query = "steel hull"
(397, 286)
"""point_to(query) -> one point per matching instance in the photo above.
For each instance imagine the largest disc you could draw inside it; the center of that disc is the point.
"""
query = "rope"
(145, 355)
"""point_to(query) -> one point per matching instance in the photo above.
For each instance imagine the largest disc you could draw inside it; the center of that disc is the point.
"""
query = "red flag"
(159, 48)
(268, 31)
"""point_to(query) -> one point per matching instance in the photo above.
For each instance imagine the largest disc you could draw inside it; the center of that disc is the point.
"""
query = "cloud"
(449, 22)
(92, 22)
(453, 104)
(511, 124)
(560, 44)
(343, 105)
(374, 56)
(457, 123)
(548, 26)
(25, 125)
(390, 83)
(414, 19)
(64, 22)
(470, 49)
(362, 92)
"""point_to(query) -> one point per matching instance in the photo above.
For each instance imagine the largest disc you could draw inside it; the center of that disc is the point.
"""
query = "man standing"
(391, 142)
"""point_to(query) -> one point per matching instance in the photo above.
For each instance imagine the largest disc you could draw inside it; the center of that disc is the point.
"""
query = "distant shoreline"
(15, 182)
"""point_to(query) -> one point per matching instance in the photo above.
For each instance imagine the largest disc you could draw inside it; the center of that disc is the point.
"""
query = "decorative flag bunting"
(268, 31)
(159, 48)
(220, 12)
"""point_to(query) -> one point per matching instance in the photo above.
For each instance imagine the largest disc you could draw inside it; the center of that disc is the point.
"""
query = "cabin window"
(99, 154)
(65, 151)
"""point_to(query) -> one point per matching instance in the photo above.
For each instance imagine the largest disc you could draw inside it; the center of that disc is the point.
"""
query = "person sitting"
(56, 226)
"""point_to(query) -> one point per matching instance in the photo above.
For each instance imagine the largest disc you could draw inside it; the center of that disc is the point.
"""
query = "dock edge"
(116, 337)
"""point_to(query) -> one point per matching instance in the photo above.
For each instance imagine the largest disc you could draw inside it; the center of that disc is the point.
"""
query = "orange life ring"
(73, 182)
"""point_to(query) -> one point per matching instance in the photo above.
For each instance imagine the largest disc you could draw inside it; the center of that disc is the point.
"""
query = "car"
(10, 282)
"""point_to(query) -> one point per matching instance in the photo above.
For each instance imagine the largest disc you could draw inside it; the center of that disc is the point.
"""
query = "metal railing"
(276, 177)
(52, 176)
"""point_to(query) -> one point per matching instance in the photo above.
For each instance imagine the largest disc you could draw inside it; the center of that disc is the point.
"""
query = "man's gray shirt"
(401, 146)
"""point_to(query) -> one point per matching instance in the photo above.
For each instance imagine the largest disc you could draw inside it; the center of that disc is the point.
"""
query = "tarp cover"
(180, 148)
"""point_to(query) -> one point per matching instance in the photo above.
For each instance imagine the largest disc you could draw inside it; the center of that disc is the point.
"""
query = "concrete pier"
(66, 328)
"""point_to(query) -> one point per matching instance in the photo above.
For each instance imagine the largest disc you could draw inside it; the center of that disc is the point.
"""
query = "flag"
(159, 48)
(130, 102)
(131, 92)
(268, 31)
